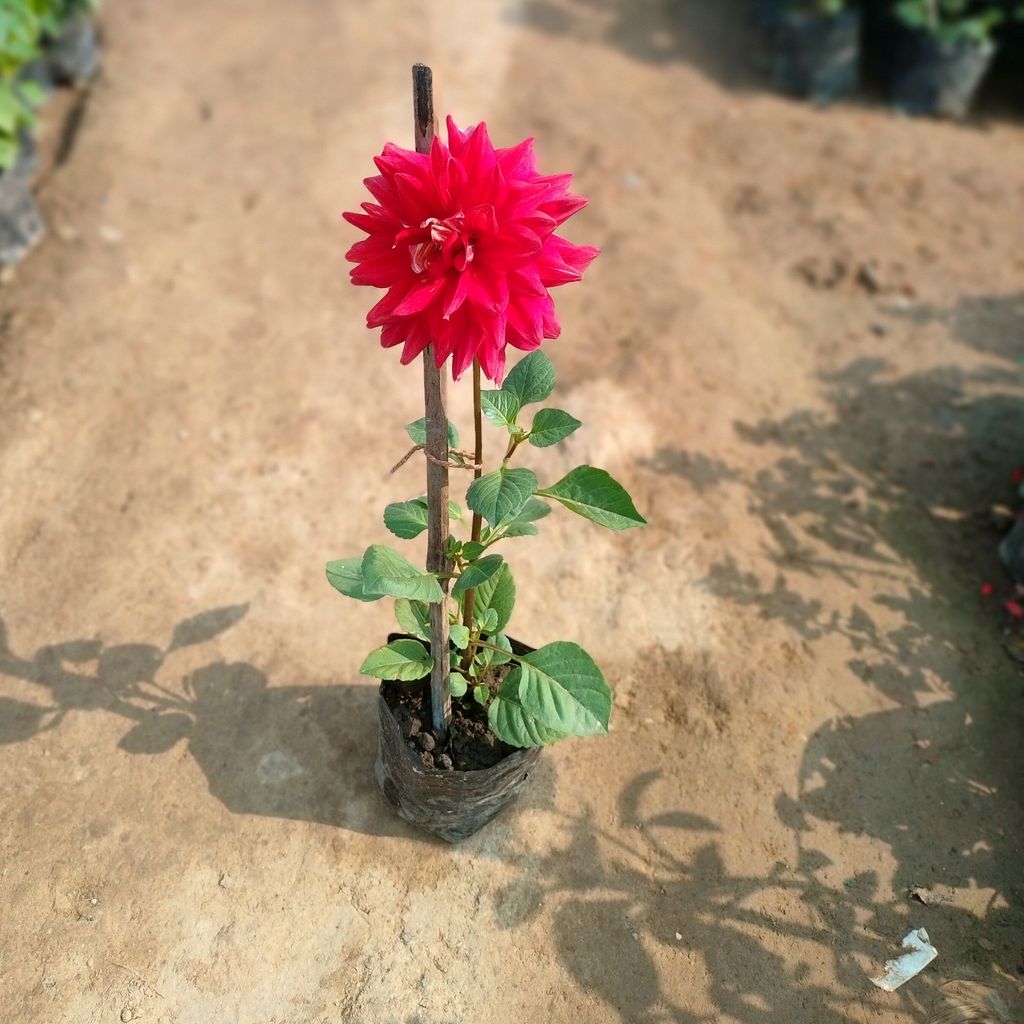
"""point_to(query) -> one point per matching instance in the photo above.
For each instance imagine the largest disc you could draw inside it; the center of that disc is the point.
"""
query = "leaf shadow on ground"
(890, 486)
(659, 886)
(297, 752)
(718, 38)
(988, 323)
(889, 483)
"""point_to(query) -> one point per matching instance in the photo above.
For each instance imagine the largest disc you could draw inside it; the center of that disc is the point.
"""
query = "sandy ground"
(799, 351)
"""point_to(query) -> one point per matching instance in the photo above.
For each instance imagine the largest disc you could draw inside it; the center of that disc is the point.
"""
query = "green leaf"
(31, 92)
(346, 576)
(477, 573)
(522, 524)
(8, 152)
(593, 494)
(491, 659)
(490, 621)
(497, 593)
(511, 722)
(417, 431)
(481, 694)
(387, 573)
(551, 426)
(500, 407)
(459, 636)
(531, 380)
(459, 684)
(562, 687)
(406, 519)
(473, 549)
(501, 494)
(401, 659)
(413, 617)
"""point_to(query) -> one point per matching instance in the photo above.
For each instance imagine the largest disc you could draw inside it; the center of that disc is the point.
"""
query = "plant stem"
(436, 447)
(469, 601)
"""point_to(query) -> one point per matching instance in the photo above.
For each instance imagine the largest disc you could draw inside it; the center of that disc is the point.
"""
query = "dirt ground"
(799, 351)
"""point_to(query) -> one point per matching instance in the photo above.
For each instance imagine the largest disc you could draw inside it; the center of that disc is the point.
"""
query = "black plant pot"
(937, 78)
(768, 15)
(21, 226)
(73, 55)
(817, 56)
(452, 805)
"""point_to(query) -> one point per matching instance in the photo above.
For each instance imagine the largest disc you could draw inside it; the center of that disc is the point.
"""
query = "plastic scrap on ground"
(902, 969)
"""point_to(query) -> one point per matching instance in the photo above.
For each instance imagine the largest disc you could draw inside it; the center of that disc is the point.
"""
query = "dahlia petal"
(380, 272)
(458, 296)
(482, 219)
(420, 296)
(552, 328)
(377, 211)
(416, 341)
(368, 248)
(516, 340)
(416, 197)
(562, 209)
(382, 311)
(465, 352)
(540, 223)
(527, 321)
(393, 333)
(491, 351)
(394, 160)
(372, 222)
(561, 262)
(518, 245)
(439, 161)
(526, 281)
(382, 190)
(518, 161)
(456, 138)
(478, 156)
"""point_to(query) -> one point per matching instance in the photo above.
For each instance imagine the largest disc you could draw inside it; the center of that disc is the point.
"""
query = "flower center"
(446, 240)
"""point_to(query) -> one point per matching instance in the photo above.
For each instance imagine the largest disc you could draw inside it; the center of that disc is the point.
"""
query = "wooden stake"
(437, 447)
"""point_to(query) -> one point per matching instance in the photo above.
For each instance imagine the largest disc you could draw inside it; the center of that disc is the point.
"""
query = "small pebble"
(679, 936)
(426, 741)
(445, 763)
(427, 758)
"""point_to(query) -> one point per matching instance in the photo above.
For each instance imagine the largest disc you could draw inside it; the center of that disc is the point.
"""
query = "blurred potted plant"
(817, 48)
(945, 48)
(462, 236)
(20, 223)
(70, 39)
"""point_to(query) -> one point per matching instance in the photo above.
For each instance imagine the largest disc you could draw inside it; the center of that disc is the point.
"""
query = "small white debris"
(903, 968)
(679, 936)
(110, 235)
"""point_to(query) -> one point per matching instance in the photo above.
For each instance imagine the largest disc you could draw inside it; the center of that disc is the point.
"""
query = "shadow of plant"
(619, 900)
(889, 488)
(989, 323)
(298, 752)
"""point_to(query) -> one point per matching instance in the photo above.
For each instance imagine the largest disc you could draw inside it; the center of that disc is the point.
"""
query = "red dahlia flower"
(464, 241)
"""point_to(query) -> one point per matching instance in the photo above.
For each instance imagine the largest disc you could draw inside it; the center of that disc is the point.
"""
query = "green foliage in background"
(24, 24)
(956, 21)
